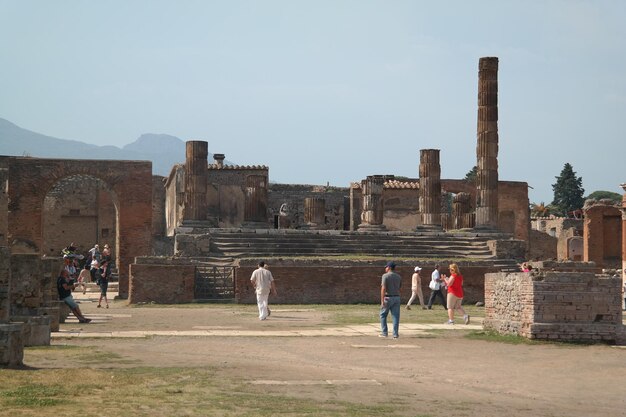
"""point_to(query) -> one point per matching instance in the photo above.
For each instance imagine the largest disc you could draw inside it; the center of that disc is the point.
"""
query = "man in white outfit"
(263, 282)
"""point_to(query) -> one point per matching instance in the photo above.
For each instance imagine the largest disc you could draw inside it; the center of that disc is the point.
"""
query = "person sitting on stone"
(65, 285)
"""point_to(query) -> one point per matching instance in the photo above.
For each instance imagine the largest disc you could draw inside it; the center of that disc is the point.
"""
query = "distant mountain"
(163, 150)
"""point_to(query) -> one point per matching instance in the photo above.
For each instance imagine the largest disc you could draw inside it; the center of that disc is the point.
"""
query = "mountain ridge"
(163, 150)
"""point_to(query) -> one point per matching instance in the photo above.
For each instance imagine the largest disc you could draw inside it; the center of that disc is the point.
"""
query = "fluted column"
(624, 234)
(487, 145)
(255, 209)
(430, 189)
(314, 213)
(196, 180)
(461, 211)
(372, 208)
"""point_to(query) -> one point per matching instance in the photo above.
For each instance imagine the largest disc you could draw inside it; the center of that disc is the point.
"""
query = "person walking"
(263, 282)
(84, 277)
(390, 286)
(416, 289)
(455, 294)
(103, 274)
(436, 288)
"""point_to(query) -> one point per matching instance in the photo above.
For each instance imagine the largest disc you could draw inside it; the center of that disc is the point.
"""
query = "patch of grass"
(492, 336)
(34, 396)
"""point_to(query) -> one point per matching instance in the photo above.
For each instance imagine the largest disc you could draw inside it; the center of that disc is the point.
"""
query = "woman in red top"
(455, 294)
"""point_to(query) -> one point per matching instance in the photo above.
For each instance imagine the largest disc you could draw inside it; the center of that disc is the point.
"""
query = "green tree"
(601, 194)
(568, 191)
(471, 175)
(539, 210)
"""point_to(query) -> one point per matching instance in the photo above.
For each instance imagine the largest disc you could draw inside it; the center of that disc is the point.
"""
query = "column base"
(11, 345)
(372, 228)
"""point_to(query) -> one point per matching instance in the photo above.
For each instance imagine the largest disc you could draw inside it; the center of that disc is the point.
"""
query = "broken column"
(430, 189)
(219, 159)
(196, 180)
(624, 236)
(255, 209)
(461, 211)
(314, 213)
(372, 208)
(11, 336)
(487, 146)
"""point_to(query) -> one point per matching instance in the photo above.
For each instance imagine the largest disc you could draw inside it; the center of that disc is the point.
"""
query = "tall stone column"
(372, 208)
(430, 189)
(314, 213)
(196, 180)
(487, 146)
(255, 209)
(623, 234)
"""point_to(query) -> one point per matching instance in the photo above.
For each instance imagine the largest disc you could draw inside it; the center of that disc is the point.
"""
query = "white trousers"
(261, 301)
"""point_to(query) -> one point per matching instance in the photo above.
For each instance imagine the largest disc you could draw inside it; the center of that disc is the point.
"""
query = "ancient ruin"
(197, 235)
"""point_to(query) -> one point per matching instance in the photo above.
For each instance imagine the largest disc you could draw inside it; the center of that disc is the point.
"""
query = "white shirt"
(262, 279)
(436, 276)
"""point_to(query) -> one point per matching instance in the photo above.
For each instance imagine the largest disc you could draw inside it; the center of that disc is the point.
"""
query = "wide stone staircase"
(240, 243)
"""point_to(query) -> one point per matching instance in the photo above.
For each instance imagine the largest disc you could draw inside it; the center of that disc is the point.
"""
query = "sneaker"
(424, 308)
(107, 306)
(382, 335)
(269, 312)
(450, 322)
(408, 307)
(396, 336)
(466, 318)
(99, 306)
(85, 321)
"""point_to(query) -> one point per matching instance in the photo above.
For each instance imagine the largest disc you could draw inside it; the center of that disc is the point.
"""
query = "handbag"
(432, 285)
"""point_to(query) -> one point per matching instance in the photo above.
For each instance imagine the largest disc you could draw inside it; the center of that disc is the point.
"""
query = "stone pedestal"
(11, 345)
(35, 329)
(372, 206)
(461, 216)
(487, 145)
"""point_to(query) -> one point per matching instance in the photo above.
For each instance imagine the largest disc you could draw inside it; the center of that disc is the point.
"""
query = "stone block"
(11, 345)
(35, 329)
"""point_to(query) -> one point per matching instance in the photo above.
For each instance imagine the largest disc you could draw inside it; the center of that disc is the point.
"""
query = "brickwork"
(130, 183)
(78, 209)
(602, 234)
(346, 282)
(161, 280)
(295, 194)
(158, 206)
(559, 231)
(554, 306)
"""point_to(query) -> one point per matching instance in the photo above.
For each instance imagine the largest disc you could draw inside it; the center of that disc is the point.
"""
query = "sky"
(329, 92)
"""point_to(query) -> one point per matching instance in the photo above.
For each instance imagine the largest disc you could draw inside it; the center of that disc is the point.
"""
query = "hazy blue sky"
(328, 91)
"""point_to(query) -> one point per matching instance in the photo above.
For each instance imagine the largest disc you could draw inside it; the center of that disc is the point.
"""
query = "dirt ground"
(435, 373)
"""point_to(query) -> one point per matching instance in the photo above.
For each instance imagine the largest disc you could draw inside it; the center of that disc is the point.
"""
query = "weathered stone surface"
(162, 283)
(11, 345)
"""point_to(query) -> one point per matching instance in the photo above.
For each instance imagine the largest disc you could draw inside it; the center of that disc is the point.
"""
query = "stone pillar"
(461, 211)
(196, 181)
(624, 235)
(4, 203)
(314, 213)
(430, 189)
(487, 146)
(372, 208)
(255, 209)
(11, 334)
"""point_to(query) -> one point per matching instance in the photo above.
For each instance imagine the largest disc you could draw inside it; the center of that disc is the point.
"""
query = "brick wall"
(339, 282)
(602, 235)
(161, 280)
(567, 306)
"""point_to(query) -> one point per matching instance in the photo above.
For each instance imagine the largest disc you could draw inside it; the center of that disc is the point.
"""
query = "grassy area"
(155, 392)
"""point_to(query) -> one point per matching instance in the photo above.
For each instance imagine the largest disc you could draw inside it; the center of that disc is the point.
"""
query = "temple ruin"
(197, 235)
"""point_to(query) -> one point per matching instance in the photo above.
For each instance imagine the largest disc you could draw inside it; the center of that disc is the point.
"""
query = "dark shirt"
(392, 283)
(63, 293)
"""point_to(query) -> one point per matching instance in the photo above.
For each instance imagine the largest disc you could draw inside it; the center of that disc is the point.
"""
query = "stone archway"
(30, 179)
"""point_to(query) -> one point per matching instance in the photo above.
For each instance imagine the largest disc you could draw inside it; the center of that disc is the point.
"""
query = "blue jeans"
(391, 304)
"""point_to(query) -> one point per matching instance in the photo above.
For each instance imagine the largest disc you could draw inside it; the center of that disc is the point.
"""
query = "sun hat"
(417, 269)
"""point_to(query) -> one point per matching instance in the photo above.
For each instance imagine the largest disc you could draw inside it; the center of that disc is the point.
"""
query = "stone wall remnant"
(196, 180)
(602, 233)
(314, 213)
(372, 207)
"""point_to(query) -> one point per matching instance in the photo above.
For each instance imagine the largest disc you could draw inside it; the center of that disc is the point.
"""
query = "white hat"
(417, 269)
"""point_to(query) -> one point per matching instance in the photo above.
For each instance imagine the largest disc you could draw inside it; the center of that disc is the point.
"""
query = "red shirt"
(457, 286)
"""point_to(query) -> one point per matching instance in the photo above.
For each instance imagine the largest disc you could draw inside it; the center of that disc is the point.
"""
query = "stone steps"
(327, 243)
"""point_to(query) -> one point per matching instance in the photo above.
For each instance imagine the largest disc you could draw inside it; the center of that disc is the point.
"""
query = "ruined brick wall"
(78, 209)
(603, 235)
(335, 199)
(542, 246)
(158, 206)
(339, 282)
(554, 306)
(5, 284)
(400, 209)
(130, 183)
(561, 230)
(161, 280)
(513, 208)
(4, 203)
